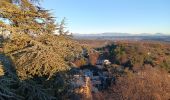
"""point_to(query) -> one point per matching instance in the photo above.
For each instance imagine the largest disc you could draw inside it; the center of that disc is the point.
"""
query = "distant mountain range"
(121, 34)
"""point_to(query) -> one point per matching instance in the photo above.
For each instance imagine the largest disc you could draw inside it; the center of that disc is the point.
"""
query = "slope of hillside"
(135, 55)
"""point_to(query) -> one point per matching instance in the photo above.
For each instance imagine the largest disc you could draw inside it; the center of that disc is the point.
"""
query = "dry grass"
(147, 84)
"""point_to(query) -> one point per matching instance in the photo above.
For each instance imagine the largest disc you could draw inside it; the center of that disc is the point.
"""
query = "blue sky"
(97, 16)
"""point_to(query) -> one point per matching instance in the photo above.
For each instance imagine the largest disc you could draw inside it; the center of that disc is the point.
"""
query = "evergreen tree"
(46, 54)
(25, 18)
(36, 61)
(61, 28)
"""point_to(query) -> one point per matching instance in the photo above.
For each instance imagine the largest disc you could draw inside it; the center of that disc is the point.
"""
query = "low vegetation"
(135, 55)
(148, 84)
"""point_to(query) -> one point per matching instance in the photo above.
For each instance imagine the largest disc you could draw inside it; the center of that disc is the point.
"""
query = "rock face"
(106, 62)
(91, 79)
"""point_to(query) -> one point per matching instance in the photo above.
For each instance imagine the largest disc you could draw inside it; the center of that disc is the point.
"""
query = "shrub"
(147, 84)
(80, 62)
(93, 57)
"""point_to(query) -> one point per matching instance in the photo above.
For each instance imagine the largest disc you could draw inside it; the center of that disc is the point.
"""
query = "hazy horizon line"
(123, 33)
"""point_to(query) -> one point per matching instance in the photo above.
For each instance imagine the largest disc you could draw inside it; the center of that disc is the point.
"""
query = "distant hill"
(116, 34)
(124, 36)
(119, 34)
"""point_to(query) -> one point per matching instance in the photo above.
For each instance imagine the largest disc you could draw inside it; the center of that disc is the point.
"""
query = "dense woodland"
(36, 64)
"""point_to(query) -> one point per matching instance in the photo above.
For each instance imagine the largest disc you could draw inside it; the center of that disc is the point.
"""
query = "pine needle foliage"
(45, 55)
(33, 49)
(37, 56)
(26, 18)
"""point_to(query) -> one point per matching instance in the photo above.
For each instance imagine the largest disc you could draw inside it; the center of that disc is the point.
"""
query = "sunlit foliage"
(37, 57)
(25, 18)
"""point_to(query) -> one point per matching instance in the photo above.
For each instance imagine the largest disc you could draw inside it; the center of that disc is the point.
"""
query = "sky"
(125, 16)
